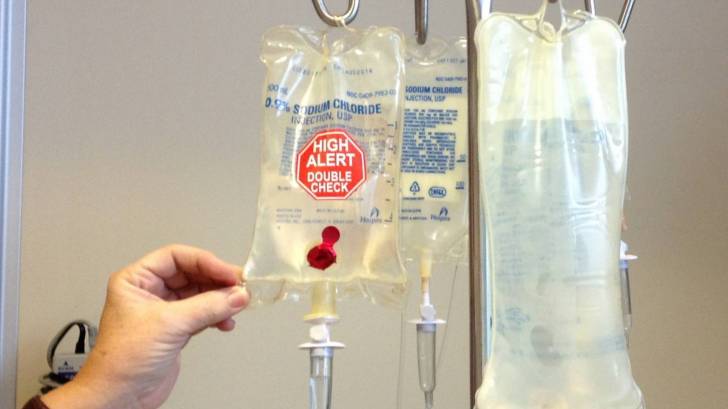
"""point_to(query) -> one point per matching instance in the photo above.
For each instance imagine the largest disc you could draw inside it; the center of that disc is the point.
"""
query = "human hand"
(153, 307)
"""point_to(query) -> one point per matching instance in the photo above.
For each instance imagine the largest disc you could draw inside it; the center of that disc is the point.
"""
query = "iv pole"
(475, 10)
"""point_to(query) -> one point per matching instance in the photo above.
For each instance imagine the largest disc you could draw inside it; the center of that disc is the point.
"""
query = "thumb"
(210, 307)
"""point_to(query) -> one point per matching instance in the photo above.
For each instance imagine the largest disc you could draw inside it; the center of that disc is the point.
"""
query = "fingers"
(180, 265)
(193, 289)
(227, 325)
(210, 308)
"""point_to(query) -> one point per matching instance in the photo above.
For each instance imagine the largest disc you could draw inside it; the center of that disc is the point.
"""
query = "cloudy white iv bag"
(327, 217)
(433, 174)
(553, 158)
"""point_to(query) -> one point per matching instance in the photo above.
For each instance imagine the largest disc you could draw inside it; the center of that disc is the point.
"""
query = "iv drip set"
(377, 152)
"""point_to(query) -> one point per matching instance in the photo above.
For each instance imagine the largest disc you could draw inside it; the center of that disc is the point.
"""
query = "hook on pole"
(590, 7)
(421, 20)
(626, 14)
(333, 20)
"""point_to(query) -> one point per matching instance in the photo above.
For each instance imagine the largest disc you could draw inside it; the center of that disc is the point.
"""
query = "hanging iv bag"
(330, 157)
(434, 167)
(553, 160)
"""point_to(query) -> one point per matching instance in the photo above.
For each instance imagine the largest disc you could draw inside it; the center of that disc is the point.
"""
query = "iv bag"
(330, 157)
(434, 148)
(553, 160)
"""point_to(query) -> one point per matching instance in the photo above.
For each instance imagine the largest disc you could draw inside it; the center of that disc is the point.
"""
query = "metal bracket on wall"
(12, 76)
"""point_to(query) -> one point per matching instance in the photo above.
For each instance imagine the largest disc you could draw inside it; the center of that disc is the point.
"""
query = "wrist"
(87, 391)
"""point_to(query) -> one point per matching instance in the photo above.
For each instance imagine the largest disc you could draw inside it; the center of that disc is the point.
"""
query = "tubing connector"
(321, 354)
(321, 348)
(427, 332)
(624, 260)
(427, 357)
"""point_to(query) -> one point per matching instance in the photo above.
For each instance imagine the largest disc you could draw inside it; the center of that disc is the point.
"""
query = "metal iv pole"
(476, 10)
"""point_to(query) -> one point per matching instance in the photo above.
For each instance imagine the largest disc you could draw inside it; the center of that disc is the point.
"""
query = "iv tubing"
(400, 369)
(321, 347)
(447, 316)
(624, 260)
(425, 274)
(427, 332)
(319, 384)
(626, 301)
(440, 353)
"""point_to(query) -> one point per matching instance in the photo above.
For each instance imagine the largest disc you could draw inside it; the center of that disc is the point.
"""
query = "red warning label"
(331, 166)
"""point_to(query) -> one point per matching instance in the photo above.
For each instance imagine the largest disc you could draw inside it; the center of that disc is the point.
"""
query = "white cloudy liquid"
(553, 191)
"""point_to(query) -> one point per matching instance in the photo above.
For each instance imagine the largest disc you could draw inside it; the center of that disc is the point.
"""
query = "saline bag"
(434, 148)
(553, 160)
(329, 187)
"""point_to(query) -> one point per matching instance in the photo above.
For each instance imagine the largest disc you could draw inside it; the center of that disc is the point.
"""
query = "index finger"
(179, 265)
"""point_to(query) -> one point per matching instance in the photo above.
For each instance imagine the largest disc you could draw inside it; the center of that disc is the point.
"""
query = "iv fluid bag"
(553, 161)
(434, 167)
(330, 157)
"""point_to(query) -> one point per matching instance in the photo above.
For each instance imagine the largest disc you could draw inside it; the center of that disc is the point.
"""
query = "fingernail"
(238, 298)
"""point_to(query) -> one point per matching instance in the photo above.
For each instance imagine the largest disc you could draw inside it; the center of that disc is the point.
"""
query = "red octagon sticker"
(331, 166)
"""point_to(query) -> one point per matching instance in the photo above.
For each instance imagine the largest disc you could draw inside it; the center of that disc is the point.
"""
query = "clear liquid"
(553, 191)
(307, 91)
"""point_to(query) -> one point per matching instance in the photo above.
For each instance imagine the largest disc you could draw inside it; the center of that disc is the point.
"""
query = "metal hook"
(336, 21)
(623, 17)
(421, 20)
(590, 7)
(626, 14)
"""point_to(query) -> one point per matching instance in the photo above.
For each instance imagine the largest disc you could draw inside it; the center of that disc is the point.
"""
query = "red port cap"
(323, 255)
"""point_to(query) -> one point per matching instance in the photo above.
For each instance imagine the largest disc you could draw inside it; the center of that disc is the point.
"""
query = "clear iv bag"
(433, 174)
(434, 148)
(553, 161)
(330, 157)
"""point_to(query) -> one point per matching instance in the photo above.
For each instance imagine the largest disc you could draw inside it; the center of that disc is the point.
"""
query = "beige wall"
(142, 129)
